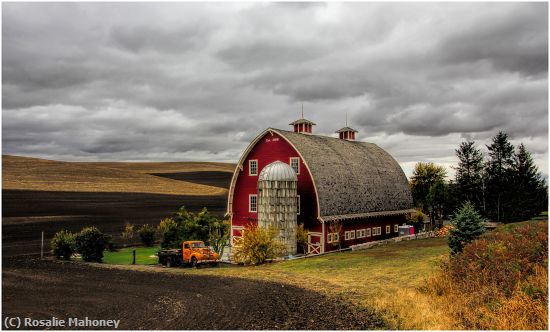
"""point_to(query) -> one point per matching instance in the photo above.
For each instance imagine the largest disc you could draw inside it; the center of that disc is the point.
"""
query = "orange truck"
(191, 253)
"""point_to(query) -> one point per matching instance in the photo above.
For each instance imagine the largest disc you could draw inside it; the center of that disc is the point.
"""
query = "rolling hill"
(24, 173)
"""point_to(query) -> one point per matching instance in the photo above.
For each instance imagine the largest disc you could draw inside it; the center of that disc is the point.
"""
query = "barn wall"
(357, 224)
(267, 150)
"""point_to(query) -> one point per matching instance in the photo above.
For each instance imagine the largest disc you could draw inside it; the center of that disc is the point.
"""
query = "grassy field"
(23, 173)
(387, 278)
(144, 256)
(165, 167)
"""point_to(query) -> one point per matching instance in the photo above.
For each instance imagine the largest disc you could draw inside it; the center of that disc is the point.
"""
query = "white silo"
(277, 202)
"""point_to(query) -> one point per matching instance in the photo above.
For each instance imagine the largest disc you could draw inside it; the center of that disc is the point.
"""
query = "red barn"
(348, 192)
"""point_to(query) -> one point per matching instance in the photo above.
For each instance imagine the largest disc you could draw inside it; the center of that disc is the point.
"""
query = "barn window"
(333, 237)
(349, 235)
(252, 203)
(376, 231)
(396, 228)
(298, 204)
(388, 229)
(368, 232)
(253, 167)
(361, 233)
(295, 164)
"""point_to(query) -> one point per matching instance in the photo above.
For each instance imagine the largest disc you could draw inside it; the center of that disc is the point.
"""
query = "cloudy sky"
(171, 82)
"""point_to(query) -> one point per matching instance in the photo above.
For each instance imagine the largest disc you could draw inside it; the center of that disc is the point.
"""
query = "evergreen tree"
(499, 177)
(469, 174)
(530, 192)
(468, 227)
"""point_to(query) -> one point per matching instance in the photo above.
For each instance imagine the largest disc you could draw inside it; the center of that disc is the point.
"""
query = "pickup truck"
(192, 253)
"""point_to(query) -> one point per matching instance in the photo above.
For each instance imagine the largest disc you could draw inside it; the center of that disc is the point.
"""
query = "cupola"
(347, 133)
(303, 125)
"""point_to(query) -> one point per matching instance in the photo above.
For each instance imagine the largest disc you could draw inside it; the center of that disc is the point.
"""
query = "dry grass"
(403, 282)
(386, 278)
(165, 167)
(499, 282)
(47, 175)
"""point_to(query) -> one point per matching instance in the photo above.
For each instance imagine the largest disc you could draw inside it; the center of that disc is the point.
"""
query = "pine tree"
(499, 177)
(469, 174)
(530, 193)
(468, 227)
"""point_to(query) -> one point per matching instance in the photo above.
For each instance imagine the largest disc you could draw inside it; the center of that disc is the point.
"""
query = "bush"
(168, 230)
(90, 243)
(63, 244)
(416, 219)
(500, 281)
(468, 226)
(147, 234)
(219, 235)
(109, 242)
(301, 237)
(128, 234)
(257, 245)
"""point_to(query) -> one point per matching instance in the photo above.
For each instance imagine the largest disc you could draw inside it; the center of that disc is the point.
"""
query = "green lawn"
(144, 256)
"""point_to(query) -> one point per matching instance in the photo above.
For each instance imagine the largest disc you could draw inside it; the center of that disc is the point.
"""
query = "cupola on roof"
(277, 171)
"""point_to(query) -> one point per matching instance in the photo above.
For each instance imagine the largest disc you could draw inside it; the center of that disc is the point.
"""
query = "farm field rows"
(42, 289)
(43, 195)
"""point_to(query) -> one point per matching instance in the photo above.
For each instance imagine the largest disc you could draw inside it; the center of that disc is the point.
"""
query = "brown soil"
(209, 178)
(27, 213)
(146, 300)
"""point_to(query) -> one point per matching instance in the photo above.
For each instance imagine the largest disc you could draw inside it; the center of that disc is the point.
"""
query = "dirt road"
(146, 300)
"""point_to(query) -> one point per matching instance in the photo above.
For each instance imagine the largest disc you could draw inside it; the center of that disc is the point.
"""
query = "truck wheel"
(168, 262)
(193, 262)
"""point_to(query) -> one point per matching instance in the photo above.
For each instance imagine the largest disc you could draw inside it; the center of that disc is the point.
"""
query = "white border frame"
(290, 163)
(250, 205)
(250, 167)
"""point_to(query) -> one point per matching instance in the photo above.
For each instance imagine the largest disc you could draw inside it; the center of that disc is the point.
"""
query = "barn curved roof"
(352, 179)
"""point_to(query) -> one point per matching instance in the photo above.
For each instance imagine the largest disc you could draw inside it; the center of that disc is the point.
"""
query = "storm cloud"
(193, 81)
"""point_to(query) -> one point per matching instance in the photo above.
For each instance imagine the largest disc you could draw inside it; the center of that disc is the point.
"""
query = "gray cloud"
(191, 81)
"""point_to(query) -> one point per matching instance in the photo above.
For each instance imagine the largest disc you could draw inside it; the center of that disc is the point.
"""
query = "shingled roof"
(352, 179)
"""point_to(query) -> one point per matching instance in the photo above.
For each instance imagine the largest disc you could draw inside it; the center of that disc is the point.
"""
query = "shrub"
(468, 226)
(63, 244)
(500, 281)
(257, 245)
(128, 234)
(219, 235)
(417, 220)
(90, 243)
(301, 237)
(168, 230)
(147, 234)
(109, 242)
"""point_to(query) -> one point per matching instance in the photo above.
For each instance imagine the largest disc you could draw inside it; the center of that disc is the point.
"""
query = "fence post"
(134, 257)
(42, 247)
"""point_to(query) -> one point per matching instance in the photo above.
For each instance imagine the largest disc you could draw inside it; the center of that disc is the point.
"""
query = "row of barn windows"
(253, 203)
(361, 233)
(253, 166)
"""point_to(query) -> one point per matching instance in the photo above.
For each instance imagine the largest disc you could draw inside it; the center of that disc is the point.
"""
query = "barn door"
(313, 244)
